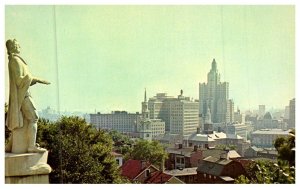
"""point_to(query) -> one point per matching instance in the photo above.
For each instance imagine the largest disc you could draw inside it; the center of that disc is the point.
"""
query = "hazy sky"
(107, 55)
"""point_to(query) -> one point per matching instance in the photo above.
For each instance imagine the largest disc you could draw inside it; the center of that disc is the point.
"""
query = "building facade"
(239, 129)
(179, 114)
(268, 122)
(265, 138)
(146, 127)
(292, 114)
(214, 95)
(120, 121)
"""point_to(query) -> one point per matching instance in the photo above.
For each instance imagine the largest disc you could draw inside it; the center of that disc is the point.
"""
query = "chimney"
(180, 146)
(224, 155)
(143, 164)
(195, 148)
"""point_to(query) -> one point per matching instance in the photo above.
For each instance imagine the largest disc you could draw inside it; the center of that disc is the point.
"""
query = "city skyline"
(106, 63)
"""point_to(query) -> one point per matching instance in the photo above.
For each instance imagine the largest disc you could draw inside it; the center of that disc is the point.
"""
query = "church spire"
(145, 96)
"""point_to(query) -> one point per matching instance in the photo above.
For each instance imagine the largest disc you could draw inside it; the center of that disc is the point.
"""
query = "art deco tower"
(214, 95)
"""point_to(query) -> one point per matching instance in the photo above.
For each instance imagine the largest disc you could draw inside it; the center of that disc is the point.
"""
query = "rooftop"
(212, 137)
(271, 132)
(185, 151)
(159, 178)
(132, 168)
(183, 172)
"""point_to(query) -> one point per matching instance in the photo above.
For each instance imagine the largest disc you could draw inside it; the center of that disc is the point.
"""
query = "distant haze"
(108, 55)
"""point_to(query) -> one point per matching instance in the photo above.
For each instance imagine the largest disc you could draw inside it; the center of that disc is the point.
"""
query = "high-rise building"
(230, 111)
(149, 128)
(214, 95)
(292, 114)
(180, 114)
(261, 110)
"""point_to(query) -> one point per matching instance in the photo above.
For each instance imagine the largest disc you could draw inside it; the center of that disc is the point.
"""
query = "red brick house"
(219, 170)
(144, 172)
(183, 157)
(187, 175)
(160, 177)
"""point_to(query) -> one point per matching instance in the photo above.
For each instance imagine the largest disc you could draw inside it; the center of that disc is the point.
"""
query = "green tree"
(267, 172)
(151, 151)
(285, 147)
(78, 152)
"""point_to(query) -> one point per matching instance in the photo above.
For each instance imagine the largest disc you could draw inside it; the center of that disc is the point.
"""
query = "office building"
(149, 128)
(265, 138)
(120, 121)
(214, 95)
(179, 114)
(292, 114)
(261, 110)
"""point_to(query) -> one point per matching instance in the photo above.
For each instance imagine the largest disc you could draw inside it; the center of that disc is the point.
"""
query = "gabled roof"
(132, 168)
(159, 177)
(213, 166)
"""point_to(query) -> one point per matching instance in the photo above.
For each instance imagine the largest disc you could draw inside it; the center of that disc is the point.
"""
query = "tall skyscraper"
(214, 95)
(292, 114)
(261, 110)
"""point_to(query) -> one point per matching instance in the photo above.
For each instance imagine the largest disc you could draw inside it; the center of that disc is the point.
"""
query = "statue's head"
(12, 46)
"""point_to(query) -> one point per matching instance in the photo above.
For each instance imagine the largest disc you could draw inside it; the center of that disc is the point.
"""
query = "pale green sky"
(107, 55)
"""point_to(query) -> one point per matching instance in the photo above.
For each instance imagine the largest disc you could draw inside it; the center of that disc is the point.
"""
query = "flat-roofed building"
(266, 137)
(181, 115)
(120, 121)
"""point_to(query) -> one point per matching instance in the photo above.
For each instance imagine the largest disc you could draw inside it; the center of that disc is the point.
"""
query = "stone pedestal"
(27, 168)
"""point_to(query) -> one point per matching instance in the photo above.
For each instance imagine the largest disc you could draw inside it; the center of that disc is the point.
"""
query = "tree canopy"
(282, 171)
(285, 147)
(151, 151)
(78, 152)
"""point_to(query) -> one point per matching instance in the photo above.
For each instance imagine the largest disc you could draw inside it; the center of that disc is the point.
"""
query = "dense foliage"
(151, 151)
(78, 152)
(267, 172)
(282, 171)
(285, 147)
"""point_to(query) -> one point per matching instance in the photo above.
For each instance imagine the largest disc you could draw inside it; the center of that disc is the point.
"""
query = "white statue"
(22, 116)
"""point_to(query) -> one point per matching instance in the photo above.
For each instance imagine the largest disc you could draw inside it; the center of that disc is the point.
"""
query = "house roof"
(213, 166)
(183, 172)
(185, 151)
(207, 137)
(226, 178)
(212, 137)
(212, 152)
(159, 177)
(271, 132)
(133, 168)
(233, 154)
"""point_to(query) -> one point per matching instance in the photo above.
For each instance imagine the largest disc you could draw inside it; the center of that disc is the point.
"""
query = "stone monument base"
(27, 168)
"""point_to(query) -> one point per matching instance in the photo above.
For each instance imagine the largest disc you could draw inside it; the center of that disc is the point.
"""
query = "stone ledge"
(26, 164)
(31, 179)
